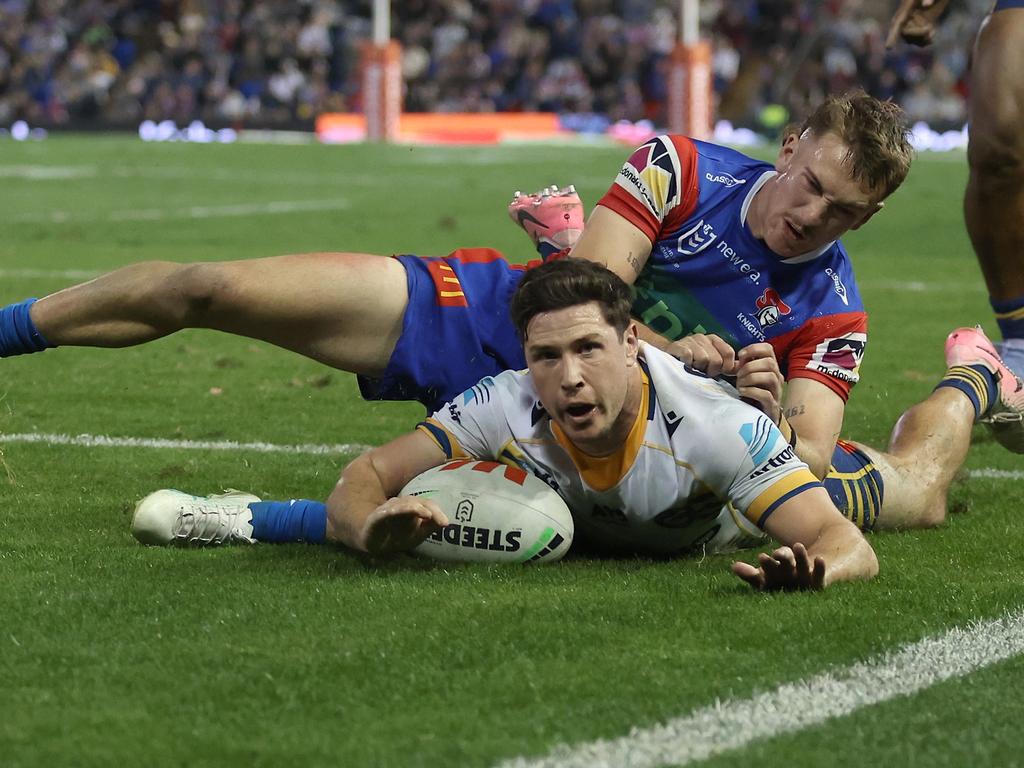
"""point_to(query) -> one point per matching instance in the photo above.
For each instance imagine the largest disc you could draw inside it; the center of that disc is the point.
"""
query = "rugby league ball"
(497, 514)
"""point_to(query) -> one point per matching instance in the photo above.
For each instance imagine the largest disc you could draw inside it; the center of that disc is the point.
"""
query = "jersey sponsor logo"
(840, 357)
(759, 436)
(776, 461)
(651, 175)
(770, 307)
(837, 285)
(726, 179)
(672, 421)
(696, 239)
(455, 413)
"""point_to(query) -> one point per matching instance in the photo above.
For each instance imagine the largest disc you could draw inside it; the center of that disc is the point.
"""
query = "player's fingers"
(802, 564)
(898, 20)
(753, 576)
(818, 573)
(725, 352)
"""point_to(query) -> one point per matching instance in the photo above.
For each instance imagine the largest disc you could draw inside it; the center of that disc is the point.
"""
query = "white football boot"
(1005, 418)
(172, 517)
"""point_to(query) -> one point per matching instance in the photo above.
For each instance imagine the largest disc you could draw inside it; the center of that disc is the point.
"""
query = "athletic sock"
(975, 381)
(18, 334)
(1010, 317)
(286, 521)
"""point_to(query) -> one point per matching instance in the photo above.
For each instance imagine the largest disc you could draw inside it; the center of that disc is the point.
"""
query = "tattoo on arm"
(796, 410)
(634, 262)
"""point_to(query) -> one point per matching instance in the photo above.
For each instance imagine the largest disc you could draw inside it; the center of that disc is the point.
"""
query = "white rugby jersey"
(700, 468)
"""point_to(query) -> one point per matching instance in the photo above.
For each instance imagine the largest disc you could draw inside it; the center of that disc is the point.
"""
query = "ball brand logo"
(724, 178)
(770, 307)
(471, 537)
(464, 511)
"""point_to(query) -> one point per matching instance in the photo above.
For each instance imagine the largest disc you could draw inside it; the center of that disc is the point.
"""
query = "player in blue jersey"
(994, 198)
(717, 270)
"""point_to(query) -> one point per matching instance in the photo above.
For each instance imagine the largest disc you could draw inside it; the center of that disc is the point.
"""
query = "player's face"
(813, 200)
(586, 375)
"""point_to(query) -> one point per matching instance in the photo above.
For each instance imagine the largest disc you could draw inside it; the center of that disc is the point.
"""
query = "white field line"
(792, 707)
(189, 212)
(309, 449)
(102, 441)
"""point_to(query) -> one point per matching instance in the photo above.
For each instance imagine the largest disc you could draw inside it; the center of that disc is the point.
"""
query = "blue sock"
(977, 382)
(1010, 317)
(18, 334)
(285, 521)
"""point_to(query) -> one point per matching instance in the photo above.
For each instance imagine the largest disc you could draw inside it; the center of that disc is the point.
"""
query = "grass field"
(111, 653)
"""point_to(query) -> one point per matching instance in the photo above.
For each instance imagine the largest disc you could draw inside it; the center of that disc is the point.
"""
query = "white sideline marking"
(102, 441)
(997, 474)
(47, 172)
(792, 707)
(189, 212)
(309, 449)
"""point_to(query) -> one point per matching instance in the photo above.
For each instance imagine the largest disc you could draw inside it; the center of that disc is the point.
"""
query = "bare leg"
(343, 309)
(994, 200)
(928, 445)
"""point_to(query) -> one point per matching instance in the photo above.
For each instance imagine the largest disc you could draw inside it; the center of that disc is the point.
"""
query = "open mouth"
(580, 410)
(796, 233)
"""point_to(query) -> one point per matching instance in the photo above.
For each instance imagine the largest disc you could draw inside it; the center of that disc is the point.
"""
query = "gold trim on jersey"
(604, 472)
(776, 491)
(453, 450)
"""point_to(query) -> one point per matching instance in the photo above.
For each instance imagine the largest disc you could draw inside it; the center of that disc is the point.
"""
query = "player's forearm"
(848, 555)
(816, 455)
(358, 493)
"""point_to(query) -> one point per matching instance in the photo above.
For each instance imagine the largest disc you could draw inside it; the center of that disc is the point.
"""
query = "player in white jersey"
(650, 457)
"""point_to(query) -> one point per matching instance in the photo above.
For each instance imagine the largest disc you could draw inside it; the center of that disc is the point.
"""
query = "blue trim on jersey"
(652, 396)
(1004, 5)
(783, 499)
(440, 435)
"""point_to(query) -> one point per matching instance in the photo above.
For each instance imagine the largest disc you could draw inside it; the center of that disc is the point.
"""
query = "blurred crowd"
(282, 62)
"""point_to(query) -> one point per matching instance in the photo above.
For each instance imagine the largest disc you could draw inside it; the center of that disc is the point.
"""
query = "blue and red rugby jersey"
(708, 274)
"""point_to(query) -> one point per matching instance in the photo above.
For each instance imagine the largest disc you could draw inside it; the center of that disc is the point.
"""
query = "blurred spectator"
(281, 62)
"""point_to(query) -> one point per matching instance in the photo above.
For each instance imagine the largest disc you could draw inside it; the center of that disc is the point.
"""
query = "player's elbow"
(854, 559)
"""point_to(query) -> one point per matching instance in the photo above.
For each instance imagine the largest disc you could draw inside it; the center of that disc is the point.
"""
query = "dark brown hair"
(875, 132)
(567, 283)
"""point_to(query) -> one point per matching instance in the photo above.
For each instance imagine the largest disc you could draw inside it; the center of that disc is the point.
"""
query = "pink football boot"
(552, 217)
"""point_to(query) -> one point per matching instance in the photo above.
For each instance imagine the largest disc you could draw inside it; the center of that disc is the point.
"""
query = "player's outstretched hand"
(399, 524)
(787, 568)
(915, 21)
(707, 353)
(759, 380)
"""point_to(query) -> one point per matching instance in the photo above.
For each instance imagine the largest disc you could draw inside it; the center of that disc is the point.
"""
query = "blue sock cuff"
(18, 334)
(287, 521)
(1010, 317)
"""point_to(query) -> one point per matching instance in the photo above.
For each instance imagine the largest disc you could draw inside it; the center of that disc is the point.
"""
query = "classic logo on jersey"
(770, 307)
(760, 439)
(650, 175)
(696, 239)
(840, 357)
(837, 285)
(723, 178)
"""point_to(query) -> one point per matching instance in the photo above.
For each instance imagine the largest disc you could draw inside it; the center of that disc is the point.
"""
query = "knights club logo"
(770, 307)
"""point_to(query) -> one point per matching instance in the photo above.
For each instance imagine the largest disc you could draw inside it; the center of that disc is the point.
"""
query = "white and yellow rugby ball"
(497, 514)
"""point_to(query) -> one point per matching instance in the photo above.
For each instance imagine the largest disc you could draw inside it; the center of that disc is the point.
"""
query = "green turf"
(294, 655)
